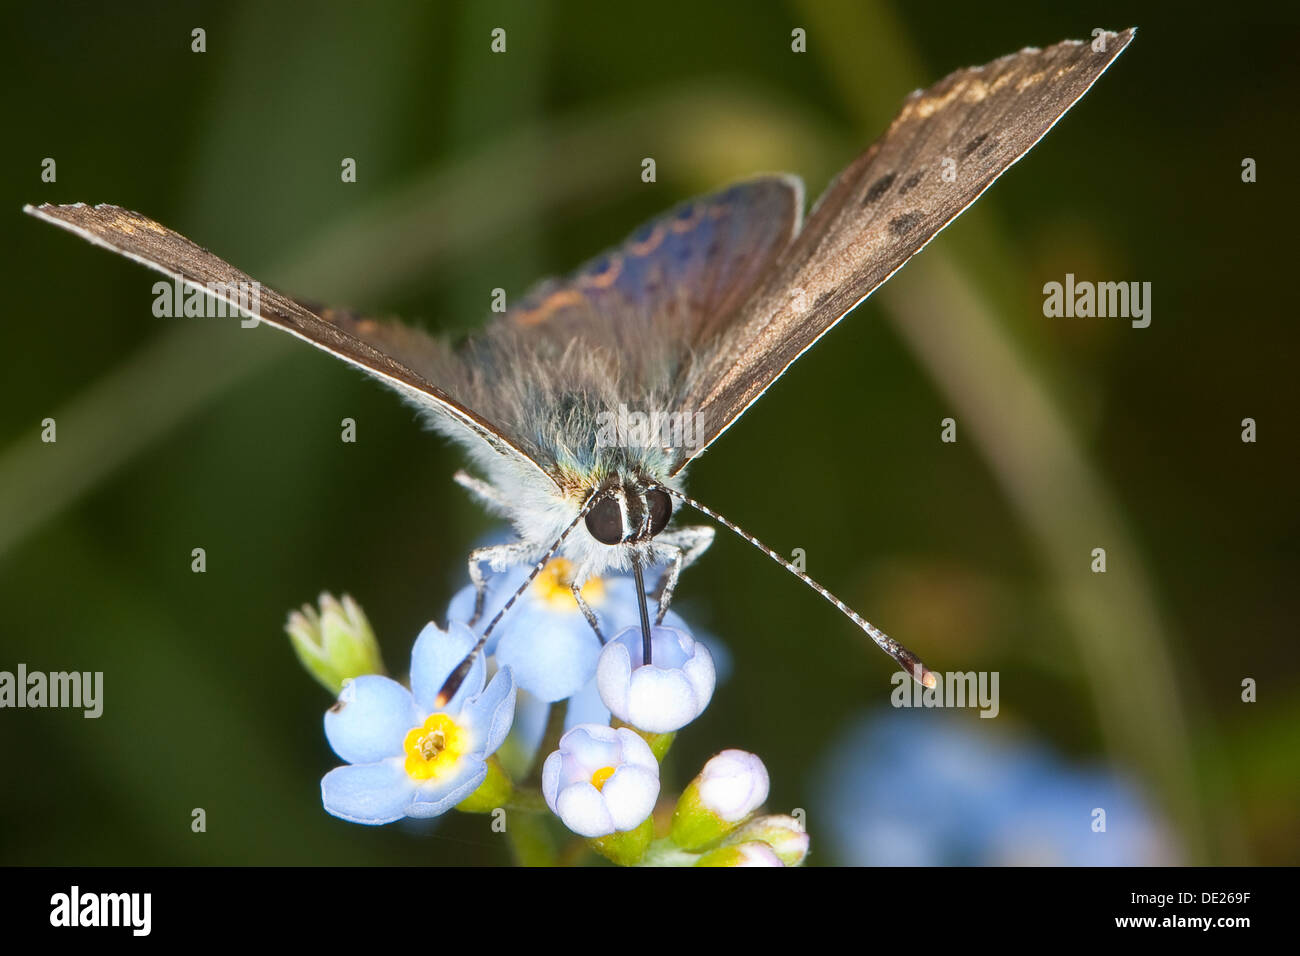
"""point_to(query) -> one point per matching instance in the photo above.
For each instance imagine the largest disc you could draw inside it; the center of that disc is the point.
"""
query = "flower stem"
(530, 840)
(527, 801)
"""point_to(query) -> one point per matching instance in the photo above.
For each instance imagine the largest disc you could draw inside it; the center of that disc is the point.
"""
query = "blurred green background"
(477, 171)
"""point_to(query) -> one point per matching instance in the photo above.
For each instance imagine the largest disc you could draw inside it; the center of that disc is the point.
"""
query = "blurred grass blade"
(1026, 441)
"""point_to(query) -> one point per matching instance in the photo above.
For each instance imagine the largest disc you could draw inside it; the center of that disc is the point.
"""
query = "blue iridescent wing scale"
(681, 274)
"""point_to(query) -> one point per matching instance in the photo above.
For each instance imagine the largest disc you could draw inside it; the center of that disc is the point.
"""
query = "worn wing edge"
(425, 394)
(1131, 31)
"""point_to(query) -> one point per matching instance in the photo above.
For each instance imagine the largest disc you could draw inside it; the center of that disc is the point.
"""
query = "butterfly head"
(628, 512)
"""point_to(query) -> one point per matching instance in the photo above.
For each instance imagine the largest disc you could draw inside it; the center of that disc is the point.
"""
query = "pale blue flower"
(406, 756)
(665, 695)
(544, 638)
(733, 784)
(601, 780)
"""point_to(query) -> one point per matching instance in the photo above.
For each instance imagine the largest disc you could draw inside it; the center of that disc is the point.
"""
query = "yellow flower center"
(554, 586)
(600, 776)
(434, 749)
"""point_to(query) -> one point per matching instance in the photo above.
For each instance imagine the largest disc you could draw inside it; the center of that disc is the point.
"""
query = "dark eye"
(605, 522)
(661, 509)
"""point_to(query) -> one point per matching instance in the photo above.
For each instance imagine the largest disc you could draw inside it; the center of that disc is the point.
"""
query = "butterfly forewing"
(140, 238)
(946, 146)
(700, 309)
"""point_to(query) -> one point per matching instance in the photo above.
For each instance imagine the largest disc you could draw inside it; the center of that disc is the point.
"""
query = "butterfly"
(687, 323)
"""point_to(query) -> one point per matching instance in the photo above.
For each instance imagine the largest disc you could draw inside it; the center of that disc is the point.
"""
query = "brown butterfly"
(686, 323)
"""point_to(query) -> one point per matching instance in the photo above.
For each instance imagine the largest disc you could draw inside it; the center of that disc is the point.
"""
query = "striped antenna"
(452, 683)
(909, 661)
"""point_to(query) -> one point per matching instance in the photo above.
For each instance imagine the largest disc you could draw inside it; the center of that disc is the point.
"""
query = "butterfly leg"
(480, 489)
(498, 557)
(587, 612)
(685, 545)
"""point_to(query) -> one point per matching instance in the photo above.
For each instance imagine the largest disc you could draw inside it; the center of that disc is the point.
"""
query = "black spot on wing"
(973, 145)
(878, 188)
(912, 182)
(904, 223)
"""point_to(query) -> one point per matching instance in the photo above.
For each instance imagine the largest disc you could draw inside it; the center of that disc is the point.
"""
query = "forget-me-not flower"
(544, 638)
(408, 757)
(601, 780)
(663, 696)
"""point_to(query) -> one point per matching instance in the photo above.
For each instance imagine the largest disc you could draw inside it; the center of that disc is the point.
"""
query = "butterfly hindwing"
(680, 274)
(621, 330)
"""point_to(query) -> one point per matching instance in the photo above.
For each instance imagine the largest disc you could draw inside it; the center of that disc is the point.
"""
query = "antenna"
(453, 682)
(910, 662)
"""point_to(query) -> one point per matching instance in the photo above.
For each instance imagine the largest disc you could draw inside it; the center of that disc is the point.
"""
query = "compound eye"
(661, 509)
(605, 521)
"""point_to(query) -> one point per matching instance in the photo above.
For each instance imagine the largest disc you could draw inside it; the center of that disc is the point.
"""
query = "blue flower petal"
(372, 793)
(961, 793)
(586, 707)
(499, 589)
(492, 712)
(435, 798)
(519, 750)
(370, 719)
(435, 655)
(552, 656)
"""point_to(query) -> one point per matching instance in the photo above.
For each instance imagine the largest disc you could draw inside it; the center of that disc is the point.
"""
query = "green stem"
(531, 841)
(527, 801)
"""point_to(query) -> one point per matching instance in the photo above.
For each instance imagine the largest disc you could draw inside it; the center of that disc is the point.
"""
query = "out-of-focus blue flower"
(406, 757)
(544, 639)
(586, 707)
(601, 780)
(918, 788)
(663, 696)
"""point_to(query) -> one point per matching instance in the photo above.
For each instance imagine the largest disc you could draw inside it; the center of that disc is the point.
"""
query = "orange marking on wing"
(654, 241)
(605, 279)
(687, 224)
(549, 306)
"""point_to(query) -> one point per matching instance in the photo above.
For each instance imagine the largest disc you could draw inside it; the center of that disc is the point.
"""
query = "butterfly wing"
(885, 207)
(623, 329)
(149, 243)
(679, 275)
